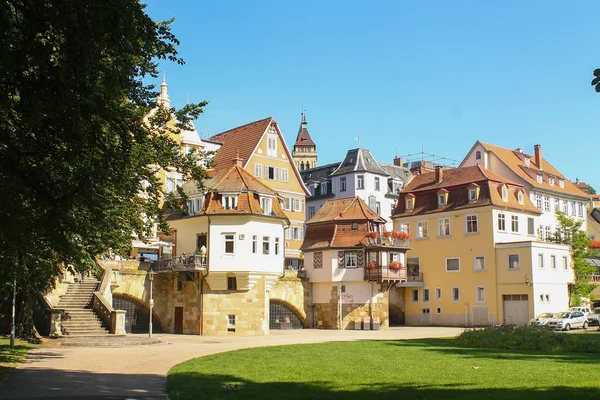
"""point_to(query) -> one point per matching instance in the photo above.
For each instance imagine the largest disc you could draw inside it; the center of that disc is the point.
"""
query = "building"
(475, 243)
(305, 150)
(351, 265)
(547, 188)
(265, 155)
(237, 234)
(359, 174)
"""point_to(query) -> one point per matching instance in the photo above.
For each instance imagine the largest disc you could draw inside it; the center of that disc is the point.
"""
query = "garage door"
(516, 309)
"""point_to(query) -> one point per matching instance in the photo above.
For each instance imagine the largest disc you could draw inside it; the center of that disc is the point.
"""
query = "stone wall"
(397, 309)
(167, 297)
(296, 292)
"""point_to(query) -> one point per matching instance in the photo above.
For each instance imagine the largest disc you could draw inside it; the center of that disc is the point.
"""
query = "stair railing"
(113, 319)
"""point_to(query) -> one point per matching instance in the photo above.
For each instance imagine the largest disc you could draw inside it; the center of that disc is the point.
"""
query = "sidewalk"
(140, 372)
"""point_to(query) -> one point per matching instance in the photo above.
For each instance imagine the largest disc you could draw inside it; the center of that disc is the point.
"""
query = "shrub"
(512, 337)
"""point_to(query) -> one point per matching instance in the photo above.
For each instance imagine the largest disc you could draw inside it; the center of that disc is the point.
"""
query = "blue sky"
(406, 76)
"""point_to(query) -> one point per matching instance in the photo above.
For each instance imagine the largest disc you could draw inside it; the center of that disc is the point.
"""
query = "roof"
(237, 180)
(396, 171)
(515, 160)
(345, 209)
(303, 138)
(359, 160)
(239, 142)
(318, 174)
(456, 182)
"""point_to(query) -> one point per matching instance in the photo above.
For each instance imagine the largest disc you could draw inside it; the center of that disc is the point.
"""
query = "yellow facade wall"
(513, 281)
(188, 230)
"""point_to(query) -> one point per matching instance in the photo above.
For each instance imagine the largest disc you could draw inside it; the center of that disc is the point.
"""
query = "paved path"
(140, 372)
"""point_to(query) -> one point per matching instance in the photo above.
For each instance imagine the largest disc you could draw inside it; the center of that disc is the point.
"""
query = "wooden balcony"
(384, 274)
(195, 262)
(382, 242)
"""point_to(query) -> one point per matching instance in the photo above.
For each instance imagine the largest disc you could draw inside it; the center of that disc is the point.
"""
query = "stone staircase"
(79, 319)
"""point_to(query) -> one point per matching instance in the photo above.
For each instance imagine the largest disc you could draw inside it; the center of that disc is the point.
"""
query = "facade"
(359, 174)
(227, 257)
(305, 150)
(476, 245)
(351, 265)
(547, 188)
(266, 157)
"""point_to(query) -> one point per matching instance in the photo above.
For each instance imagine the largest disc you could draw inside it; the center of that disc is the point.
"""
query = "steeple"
(305, 150)
(163, 97)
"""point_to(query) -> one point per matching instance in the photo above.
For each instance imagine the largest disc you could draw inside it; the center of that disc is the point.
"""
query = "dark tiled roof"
(319, 173)
(359, 160)
(397, 172)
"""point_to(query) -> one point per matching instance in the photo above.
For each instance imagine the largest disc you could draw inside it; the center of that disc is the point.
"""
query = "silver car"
(564, 321)
(542, 319)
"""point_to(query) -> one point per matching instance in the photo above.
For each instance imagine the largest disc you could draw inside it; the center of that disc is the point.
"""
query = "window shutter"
(276, 174)
(302, 205)
(341, 259)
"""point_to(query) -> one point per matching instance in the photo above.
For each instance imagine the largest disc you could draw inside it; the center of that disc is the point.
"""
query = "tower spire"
(163, 97)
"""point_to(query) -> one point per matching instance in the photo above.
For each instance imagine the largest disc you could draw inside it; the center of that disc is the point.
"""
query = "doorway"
(178, 320)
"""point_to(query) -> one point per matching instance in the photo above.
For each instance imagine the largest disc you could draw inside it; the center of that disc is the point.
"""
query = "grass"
(10, 358)
(404, 369)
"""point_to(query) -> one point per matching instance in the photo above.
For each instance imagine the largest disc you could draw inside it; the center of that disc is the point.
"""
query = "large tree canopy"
(75, 148)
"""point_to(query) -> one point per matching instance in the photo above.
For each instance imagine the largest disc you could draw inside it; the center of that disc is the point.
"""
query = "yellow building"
(265, 155)
(475, 244)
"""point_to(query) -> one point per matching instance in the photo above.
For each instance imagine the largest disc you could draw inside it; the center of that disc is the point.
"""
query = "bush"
(512, 337)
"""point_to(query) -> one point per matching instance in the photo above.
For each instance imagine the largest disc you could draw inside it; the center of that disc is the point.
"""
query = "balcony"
(385, 240)
(195, 262)
(595, 278)
(400, 276)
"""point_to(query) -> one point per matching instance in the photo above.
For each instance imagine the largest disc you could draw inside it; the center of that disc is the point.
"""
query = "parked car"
(585, 310)
(564, 321)
(594, 317)
(542, 319)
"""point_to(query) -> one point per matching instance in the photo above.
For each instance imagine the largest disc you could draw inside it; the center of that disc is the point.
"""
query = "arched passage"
(137, 317)
(283, 315)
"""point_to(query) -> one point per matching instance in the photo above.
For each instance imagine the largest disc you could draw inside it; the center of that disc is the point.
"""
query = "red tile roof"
(303, 138)
(345, 209)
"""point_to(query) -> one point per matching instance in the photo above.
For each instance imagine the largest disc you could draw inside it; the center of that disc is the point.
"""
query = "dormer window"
(230, 202)
(266, 205)
(441, 199)
(478, 155)
(520, 197)
(551, 181)
(561, 183)
(472, 194)
(504, 193)
(409, 202)
(540, 178)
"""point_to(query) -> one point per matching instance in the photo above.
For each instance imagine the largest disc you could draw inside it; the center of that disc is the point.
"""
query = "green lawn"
(407, 369)
(10, 358)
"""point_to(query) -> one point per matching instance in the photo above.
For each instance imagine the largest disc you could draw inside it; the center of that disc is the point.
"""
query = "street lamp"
(151, 302)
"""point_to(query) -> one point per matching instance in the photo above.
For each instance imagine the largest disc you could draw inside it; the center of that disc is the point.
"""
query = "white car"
(542, 319)
(585, 310)
(564, 321)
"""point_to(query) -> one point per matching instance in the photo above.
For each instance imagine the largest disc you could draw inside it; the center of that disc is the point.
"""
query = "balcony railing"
(381, 240)
(180, 263)
(595, 278)
(385, 273)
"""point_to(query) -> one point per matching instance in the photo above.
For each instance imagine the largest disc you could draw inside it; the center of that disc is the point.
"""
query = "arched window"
(478, 155)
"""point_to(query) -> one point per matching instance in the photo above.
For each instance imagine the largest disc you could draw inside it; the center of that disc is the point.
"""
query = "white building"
(359, 174)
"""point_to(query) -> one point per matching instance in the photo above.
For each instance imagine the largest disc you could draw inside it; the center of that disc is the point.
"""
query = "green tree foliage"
(591, 190)
(78, 153)
(571, 234)
(596, 80)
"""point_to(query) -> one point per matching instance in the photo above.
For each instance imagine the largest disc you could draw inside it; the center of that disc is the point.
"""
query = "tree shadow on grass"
(447, 346)
(187, 386)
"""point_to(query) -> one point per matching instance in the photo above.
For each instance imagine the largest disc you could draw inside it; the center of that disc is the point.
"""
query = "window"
(318, 260)
(513, 261)
(438, 293)
(561, 183)
(556, 205)
(452, 264)
(565, 207)
(170, 185)
(426, 310)
(265, 246)
(547, 298)
(501, 222)
(538, 201)
(553, 262)
(265, 204)
(404, 228)
(541, 261)
(542, 299)
(580, 209)
(408, 204)
(546, 203)
(343, 184)
(311, 212)
(272, 146)
(572, 208)
(229, 240)
(231, 283)
(324, 187)
(422, 229)
(530, 226)
(520, 197)
(444, 227)
(504, 193)
(377, 185)
(284, 174)
(479, 263)
(231, 320)
(514, 223)
(415, 295)
(287, 203)
(472, 226)
(254, 244)
(478, 155)
(258, 170)
(480, 294)
(360, 181)
(425, 295)
(272, 173)
(294, 233)
(472, 194)
(378, 207)
(229, 202)
(540, 178)
(438, 310)
(548, 232)
(565, 263)
(551, 181)
(354, 226)
(455, 294)
(297, 205)
(276, 246)
(441, 199)
(350, 260)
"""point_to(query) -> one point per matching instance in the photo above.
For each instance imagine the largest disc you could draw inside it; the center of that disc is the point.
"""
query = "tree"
(571, 234)
(596, 80)
(591, 190)
(78, 154)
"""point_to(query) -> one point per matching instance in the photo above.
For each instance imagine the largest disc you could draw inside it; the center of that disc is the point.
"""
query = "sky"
(408, 77)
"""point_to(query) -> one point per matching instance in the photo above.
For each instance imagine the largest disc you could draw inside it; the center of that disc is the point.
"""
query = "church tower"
(305, 150)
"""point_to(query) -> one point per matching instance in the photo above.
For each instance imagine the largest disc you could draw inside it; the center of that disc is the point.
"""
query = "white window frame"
(360, 182)
(552, 262)
(254, 244)
(504, 193)
(258, 170)
(501, 222)
(540, 258)
(480, 294)
(377, 184)
(580, 209)
(472, 194)
(546, 203)
(475, 263)
(343, 184)
(438, 293)
(565, 263)
(457, 298)
(412, 296)
(276, 246)
(266, 203)
(272, 145)
(442, 199)
(229, 201)
(539, 201)
(275, 173)
(350, 260)
(548, 232)
(422, 230)
(426, 295)
(510, 267)
(446, 264)
(556, 204)
(444, 223)
(230, 320)
(469, 220)
(514, 223)
(531, 224)
(284, 175)
(228, 237)
(266, 245)
(311, 212)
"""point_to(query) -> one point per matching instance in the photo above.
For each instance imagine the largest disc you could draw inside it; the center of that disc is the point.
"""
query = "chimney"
(398, 161)
(439, 174)
(538, 156)
(239, 162)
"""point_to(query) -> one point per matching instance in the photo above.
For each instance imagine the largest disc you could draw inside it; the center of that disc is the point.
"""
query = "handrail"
(103, 309)
(106, 276)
